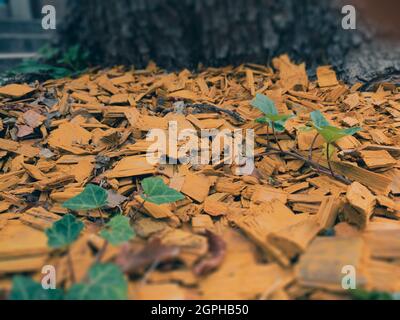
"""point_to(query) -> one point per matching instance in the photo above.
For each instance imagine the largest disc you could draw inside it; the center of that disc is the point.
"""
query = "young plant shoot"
(271, 116)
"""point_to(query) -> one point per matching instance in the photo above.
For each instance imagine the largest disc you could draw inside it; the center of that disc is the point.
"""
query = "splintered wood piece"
(378, 159)
(16, 90)
(196, 186)
(363, 202)
(156, 211)
(259, 279)
(201, 223)
(378, 183)
(192, 246)
(383, 244)
(39, 218)
(328, 212)
(130, 167)
(20, 240)
(263, 220)
(326, 77)
(322, 264)
(294, 240)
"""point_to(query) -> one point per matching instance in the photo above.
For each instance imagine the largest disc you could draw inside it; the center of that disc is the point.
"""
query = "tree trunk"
(184, 33)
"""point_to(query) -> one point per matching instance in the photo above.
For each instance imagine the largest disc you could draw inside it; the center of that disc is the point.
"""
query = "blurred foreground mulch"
(284, 232)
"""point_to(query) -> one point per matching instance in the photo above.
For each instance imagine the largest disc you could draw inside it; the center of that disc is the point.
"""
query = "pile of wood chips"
(285, 232)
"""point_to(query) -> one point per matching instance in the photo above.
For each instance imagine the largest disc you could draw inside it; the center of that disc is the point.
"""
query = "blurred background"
(180, 34)
(21, 33)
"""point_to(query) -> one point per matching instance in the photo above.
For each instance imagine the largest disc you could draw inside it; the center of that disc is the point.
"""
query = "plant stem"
(268, 143)
(312, 147)
(320, 169)
(329, 160)
(276, 139)
(71, 266)
(103, 249)
(137, 210)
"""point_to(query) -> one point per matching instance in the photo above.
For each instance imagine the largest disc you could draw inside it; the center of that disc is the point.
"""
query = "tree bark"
(185, 33)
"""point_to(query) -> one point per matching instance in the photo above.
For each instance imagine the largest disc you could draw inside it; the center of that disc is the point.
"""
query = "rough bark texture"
(183, 33)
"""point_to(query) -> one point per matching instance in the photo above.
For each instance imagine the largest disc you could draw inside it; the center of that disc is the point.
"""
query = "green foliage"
(359, 294)
(54, 63)
(92, 197)
(64, 232)
(31, 66)
(75, 57)
(271, 115)
(118, 230)
(328, 132)
(104, 282)
(158, 192)
(24, 288)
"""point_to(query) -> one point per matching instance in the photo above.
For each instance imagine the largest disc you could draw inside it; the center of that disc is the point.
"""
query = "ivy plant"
(157, 192)
(62, 234)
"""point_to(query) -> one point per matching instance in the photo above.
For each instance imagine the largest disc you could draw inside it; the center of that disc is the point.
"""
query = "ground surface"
(284, 232)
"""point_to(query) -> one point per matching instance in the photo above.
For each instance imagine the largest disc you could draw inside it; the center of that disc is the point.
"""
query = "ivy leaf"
(118, 230)
(64, 232)
(329, 132)
(158, 192)
(24, 288)
(264, 104)
(92, 197)
(104, 282)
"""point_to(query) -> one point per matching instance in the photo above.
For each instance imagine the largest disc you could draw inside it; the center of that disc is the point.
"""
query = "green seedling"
(271, 116)
(330, 134)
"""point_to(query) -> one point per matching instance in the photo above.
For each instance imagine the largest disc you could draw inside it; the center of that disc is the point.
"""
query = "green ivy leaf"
(264, 104)
(24, 288)
(329, 132)
(104, 282)
(64, 232)
(92, 197)
(118, 230)
(158, 192)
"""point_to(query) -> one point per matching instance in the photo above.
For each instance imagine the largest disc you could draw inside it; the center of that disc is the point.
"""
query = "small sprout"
(64, 232)
(92, 197)
(24, 288)
(271, 116)
(157, 192)
(330, 133)
(103, 282)
(117, 230)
